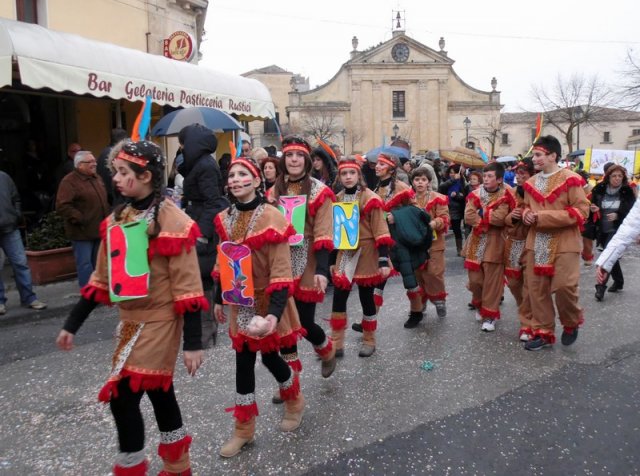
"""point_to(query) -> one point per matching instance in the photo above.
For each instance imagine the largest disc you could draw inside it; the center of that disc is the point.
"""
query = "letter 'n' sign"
(346, 225)
(236, 274)
(294, 209)
(128, 263)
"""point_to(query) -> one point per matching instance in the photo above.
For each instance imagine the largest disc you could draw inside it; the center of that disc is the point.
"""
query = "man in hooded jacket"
(203, 199)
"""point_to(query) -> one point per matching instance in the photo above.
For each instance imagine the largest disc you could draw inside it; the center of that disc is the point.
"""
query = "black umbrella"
(577, 153)
(214, 119)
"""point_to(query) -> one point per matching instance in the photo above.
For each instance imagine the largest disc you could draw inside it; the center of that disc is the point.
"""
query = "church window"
(398, 104)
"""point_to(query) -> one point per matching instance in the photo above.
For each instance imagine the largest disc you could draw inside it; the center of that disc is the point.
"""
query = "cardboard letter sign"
(236, 274)
(346, 225)
(294, 209)
(128, 263)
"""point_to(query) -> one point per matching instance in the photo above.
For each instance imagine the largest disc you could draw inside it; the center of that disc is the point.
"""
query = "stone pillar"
(366, 117)
(357, 123)
(432, 111)
(377, 113)
(444, 140)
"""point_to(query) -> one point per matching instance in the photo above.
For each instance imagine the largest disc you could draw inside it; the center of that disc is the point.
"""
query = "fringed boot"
(244, 413)
(338, 324)
(369, 326)
(174, 451)
(293, 404)
(327, 353)
(131, 464)
(293, 361)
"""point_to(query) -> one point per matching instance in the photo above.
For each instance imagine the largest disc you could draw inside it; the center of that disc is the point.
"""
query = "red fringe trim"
(269, 236)
(199, 303)
(574, 181)
(288, 285)
(92, 293)
(436, 297)
(292, 338)
(573, 212)
(173, 451)
(325, 194)
(378, 300)
(340, 281)
(270, 343)
(443, 200)
(473, 197)
(137, 470)
(586, 257)
(292, 392)
(369, 282)
(369, 325)
(326, 350)
(166, 246)
(243, 413)
(525, 330)
(308, 295)
(373, 204)
(137, 382)
(513, 273)
(320, 244)
(544, 270)
(547, 335)
(220, 229)
(338, 324)
(476, 304)
(414, 294)
(406, 195)
(489, 313)
(295, 365)
(384, 240)
(471, 265)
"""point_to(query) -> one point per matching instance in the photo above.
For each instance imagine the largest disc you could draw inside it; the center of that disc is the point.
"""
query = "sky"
(520, 43)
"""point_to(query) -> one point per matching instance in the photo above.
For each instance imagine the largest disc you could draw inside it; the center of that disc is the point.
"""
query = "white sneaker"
(3, 309)
(525, 337)
(489, 325)
(478, 316)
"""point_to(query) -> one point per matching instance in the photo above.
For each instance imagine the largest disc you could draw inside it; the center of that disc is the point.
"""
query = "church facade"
(400, 88)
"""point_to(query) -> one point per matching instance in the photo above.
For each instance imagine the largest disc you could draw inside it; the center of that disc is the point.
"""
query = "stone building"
(400, 87)
(615, 129)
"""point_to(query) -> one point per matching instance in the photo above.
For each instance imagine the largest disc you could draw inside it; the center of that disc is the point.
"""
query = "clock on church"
(400, 52)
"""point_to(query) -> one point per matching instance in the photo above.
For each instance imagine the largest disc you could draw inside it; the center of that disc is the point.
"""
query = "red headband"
(349, 165)
(245, 163)
(542, 148)
(385, 160)
(300, 147)
(141, 161)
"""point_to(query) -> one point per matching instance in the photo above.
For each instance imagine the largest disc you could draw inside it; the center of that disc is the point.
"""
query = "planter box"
(51, 265)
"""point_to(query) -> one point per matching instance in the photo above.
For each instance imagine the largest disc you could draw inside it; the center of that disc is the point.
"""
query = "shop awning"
(66, 62)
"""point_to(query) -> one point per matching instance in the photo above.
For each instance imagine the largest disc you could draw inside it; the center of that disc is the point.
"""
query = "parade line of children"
(274, 261)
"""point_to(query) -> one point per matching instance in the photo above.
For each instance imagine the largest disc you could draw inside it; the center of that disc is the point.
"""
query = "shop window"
(398, 104)
(606, 136)
(27, 10)
(505, 139)
(270, 126)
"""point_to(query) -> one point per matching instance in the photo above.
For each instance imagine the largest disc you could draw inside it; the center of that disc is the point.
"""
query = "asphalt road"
(486, 407)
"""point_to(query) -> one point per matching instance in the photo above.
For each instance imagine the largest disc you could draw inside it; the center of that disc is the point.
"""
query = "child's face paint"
(127, 183)
(242, 184)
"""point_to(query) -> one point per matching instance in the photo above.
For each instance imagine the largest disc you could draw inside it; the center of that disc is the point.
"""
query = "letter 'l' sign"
(128, 262)
(236, 274)
(346, 225)
(294, 209)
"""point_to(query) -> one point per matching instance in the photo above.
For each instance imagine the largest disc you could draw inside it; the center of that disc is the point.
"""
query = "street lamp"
(467, 123)
(344, 137)
(396, 130)
(578, 114)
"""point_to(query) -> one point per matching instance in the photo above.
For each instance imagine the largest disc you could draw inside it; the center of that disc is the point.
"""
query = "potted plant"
(49, 252)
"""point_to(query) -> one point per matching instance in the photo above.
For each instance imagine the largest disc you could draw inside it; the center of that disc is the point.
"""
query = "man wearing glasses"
(555, 209)
(82, 203)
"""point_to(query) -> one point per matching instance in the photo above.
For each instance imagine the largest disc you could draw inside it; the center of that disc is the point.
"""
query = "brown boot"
(338, 325)
(175, 457)
(243, 435)
(368, 346)
(459, 246)
(293, 411)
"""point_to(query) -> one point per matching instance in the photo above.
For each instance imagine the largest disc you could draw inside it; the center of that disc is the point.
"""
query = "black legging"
(457, 228)
(315, 333)
(129, 423)
(341, 296)
(245, 369)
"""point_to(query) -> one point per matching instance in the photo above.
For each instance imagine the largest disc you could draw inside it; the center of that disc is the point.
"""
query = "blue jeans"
(85, 253)
(12, 245)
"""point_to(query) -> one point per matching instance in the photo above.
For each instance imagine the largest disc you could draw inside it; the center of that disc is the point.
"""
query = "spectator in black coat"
(203, 199)
(454, 189)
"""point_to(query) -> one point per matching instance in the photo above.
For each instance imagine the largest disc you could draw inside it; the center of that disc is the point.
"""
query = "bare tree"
(320, 122)
(356, 135)
(493, 131)
(631, 86)
(574, 101)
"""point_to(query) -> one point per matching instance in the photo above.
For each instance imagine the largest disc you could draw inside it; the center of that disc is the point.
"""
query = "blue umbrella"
(214, 119)
(372, 155)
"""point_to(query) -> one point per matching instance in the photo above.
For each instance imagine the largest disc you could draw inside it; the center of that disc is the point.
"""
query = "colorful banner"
(128, 263)
(594, 160)
(236, 274)
(346, 225)
(294, 209)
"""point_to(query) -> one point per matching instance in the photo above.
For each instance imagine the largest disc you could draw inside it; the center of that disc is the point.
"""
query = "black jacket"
(203, 195)
(627, 200)
(9, 204)
(457, 203)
